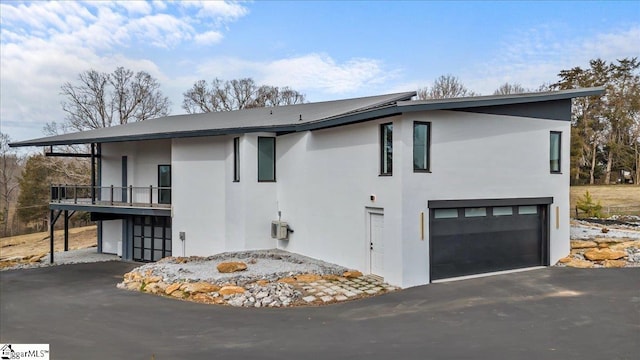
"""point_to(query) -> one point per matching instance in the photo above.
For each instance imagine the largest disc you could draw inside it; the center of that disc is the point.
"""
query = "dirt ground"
(627, 197)
(38, 243)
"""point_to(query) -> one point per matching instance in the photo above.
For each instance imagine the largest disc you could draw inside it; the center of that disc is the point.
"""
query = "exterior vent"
(279, 230)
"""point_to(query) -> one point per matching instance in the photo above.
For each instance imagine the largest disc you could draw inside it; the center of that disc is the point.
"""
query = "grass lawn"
(616, 199)
(38, 243)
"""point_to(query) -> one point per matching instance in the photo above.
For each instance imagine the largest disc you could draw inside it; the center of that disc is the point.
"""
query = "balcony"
(110, 198)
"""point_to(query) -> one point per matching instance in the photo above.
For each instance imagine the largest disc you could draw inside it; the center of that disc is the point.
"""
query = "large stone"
(199, 287)
(352, 274)
(178, 293)
(604, 254)
(229, 267)
(578, 263)
(231, 290)
(36, 258)
(565, 259)
(625, 245)
(583, 244)
(133, 285)
(308, 277)
(171, 288)
(614, 263)
(203, 298)
(152, 279)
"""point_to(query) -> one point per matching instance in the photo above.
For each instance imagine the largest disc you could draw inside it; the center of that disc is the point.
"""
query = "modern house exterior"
(412, 191)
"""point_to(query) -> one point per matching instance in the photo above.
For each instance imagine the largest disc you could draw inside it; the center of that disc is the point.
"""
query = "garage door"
(479, 238)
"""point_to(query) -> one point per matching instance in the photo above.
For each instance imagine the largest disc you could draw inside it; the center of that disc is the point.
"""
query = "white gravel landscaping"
(261, 265)
(88, 255)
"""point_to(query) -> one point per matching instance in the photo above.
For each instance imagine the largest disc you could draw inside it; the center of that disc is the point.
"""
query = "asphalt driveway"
(553, 313)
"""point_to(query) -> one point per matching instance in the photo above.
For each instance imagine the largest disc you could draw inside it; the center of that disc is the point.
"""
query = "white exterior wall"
(325, 181)
(143, 158)
(479, 156)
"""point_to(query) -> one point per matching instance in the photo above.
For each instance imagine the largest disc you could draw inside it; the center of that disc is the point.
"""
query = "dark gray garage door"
(479, 239)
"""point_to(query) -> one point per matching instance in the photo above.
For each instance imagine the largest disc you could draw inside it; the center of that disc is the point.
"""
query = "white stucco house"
(412, 191)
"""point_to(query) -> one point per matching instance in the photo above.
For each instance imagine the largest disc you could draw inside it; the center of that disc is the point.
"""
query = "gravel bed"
(88, 255)
(583, 230)
(261, 265)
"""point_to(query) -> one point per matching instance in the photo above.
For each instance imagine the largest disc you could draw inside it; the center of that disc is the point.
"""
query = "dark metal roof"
(292, 118)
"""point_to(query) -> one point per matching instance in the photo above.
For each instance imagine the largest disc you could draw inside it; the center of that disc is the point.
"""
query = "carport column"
(66, 230)
(51, 236)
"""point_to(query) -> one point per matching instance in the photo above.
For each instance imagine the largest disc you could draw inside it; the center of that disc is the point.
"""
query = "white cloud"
(44, 44)
(311, 72)
(208, 38)
(536, 56)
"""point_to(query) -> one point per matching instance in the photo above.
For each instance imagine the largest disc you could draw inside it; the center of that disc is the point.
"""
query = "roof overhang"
(391, 105)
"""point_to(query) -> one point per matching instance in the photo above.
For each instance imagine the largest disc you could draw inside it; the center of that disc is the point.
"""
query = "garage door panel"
(465, 246)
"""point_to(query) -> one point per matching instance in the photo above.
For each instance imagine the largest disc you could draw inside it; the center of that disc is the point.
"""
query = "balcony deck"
(116, 200)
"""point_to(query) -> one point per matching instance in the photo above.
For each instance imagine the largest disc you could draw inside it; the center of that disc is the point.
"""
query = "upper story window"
(555, 145)
(266, 159)
(236, 159)
(386, 149)
(421, 146)
(164, 184)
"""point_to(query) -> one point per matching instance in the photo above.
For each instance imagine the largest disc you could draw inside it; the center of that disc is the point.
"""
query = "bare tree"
(101, 100)
(9, 180)
(507, 89)
(444, 87)
(235, 95)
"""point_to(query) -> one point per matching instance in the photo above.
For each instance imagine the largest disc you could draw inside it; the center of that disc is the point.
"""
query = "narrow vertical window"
(164, 184)
(266, 159)
(236, 159)
(421, 146)
(386, 149)
(555, 144)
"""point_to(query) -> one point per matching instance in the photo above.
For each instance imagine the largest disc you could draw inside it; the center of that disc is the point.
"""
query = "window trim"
(236, 159)
(427, 147)
(559, 170)
(274, 158)
(383, 171)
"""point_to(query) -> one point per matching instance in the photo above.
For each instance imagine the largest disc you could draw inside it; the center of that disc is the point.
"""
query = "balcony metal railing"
(129, 196)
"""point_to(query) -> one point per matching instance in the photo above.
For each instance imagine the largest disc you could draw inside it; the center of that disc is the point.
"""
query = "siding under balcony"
(134, 200)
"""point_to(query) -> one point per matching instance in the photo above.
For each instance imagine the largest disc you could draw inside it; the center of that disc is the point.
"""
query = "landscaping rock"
(229, 267)
(583, 244)
(565, 259)
(231, 290)
(614, 263)
(171, 288)
(604, 254)
(199, 287)
(308, 277)
(352, 274)
(178, 293)
(577, 263)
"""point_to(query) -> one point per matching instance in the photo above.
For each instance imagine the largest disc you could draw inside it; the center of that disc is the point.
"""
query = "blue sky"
(326, 50)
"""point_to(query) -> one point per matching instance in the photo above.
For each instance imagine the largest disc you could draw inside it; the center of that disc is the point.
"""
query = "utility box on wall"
(279, 230)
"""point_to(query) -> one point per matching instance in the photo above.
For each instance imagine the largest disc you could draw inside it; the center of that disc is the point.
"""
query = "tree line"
(605, 130)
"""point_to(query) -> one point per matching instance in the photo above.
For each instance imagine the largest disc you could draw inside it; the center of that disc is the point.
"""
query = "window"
(236, 159)
(475, 212)
(266, 159)
(555, 142)
(445, 213)
(164, 184)
(421, 145)
(502, 211)
(527, 210)
(386, 149)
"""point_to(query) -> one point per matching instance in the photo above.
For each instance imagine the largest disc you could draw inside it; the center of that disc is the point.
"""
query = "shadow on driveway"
(552, 313)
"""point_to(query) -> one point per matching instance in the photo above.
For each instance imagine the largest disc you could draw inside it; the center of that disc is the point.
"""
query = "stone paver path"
(341, 289)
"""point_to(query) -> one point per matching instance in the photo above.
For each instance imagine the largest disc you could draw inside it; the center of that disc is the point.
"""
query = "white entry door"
(376, 243)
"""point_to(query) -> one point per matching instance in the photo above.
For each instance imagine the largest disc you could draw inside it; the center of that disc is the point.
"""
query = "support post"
(130, 195)
(66, 230)
(150, 195)
(51, 223)
(93, 173)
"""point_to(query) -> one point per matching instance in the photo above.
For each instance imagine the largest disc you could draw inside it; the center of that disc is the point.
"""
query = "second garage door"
(479, 239)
